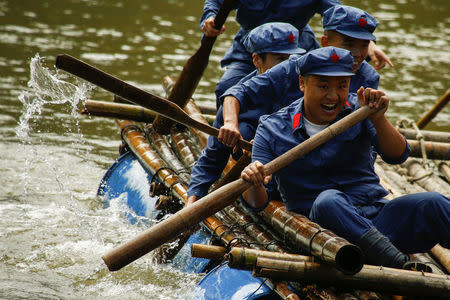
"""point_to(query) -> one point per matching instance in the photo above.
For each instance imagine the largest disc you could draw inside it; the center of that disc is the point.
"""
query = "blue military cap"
(275, 37)
(326, 61)
(350, 21)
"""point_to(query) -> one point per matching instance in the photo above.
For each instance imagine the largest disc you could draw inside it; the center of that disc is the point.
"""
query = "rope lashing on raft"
(405, 123)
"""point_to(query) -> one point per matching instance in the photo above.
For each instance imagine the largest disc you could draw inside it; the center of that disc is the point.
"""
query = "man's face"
(272, 59)
(325, 96)
(358, 48)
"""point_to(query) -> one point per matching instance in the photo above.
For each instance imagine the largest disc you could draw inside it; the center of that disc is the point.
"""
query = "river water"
(53, 228)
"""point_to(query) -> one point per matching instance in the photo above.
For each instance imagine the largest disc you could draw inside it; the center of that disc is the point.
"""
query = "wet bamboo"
(193, 69)
(166, 153)
(437, 107)
(426, 178)
(253, 229)
(390, 280)
(445, 170)
(149, 158)
(152, 162)
(221, 198)
(442, 255)
(310, 237)
(431, 136)
(184, 147)
(118, 111)
(242, 257)
(434, 150)
(114, 85)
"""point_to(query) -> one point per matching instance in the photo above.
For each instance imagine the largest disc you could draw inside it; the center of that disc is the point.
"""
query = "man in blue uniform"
(345, 27)
(252, 13)
(270, 44)
(335, 184)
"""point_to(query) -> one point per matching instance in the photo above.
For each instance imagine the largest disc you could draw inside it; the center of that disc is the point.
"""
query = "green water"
(53, 229)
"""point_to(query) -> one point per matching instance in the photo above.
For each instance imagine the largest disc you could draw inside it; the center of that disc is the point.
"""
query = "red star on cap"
(362, 22)
(334, 57)
(291, 38)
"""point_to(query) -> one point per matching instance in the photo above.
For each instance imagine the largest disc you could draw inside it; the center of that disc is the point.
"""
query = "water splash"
(47, 87)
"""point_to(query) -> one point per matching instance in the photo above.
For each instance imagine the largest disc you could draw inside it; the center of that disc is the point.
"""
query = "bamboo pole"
(437, 107)
(118, 111)
(442, 255)
(310, 237)
(445, 170)
(432, 136)
(166, 153)
(434, 150)
(425, 178)
(390, 280)
(184, 147)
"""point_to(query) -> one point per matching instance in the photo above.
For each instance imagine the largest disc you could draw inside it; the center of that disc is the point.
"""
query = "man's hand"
(229, 135)
(375, 99)
(209, 30)
(256, 174)
(378, 57)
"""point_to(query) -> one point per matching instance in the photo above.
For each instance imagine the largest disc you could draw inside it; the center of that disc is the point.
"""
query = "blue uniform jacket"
(345, 163)
(279, 87)
(252, 13)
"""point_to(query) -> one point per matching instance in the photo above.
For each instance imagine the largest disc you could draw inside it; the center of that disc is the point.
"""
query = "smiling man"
(335, 184)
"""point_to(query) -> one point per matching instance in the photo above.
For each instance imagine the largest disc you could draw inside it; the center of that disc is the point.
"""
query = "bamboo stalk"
(310, 237)
(118, 111)
(426, 179)
(434, 150)
(443, 255)
(432, 136)
(166, 153)
(445, 170)
(428, 260)
(184, 147)
(437, 107)
(390, 280)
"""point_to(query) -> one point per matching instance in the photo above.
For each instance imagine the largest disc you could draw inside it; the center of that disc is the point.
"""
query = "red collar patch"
(291, 38)
(362, 22)
(296, 121)
(335, 57)
(348, 104)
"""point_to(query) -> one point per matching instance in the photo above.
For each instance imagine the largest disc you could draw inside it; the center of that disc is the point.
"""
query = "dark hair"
(263, 56)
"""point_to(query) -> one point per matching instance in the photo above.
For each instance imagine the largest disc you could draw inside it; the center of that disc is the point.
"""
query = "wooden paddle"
(219, 199)
(193, 69)
(437, 107)
(135, 95)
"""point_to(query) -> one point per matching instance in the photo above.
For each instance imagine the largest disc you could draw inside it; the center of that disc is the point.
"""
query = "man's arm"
(392, 143)
(229, 133)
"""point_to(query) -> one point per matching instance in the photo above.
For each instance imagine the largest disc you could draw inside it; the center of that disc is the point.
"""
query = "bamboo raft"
(298, 258)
